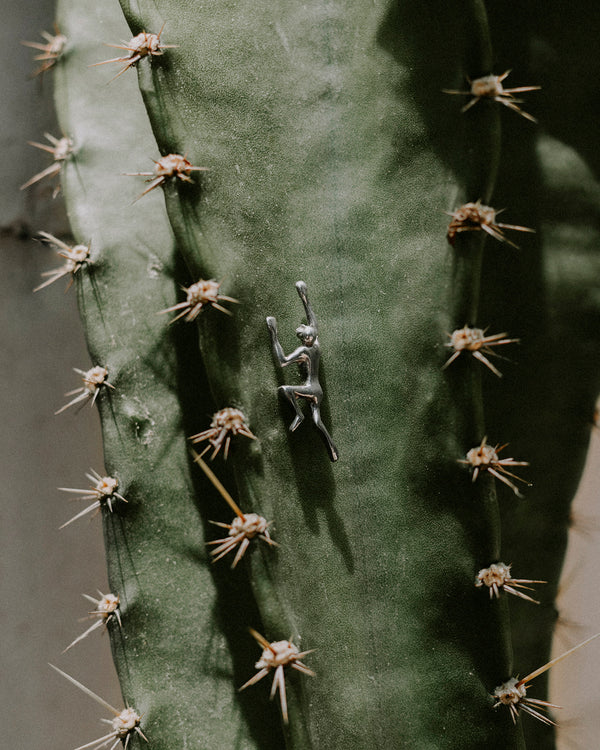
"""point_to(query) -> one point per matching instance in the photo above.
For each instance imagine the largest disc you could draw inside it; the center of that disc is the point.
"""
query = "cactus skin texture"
(332, 156)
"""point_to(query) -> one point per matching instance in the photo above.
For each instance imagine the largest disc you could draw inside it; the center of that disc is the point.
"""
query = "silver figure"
(307, 357)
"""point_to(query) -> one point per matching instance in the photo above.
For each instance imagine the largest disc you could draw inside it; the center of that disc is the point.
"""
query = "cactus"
(315, 142)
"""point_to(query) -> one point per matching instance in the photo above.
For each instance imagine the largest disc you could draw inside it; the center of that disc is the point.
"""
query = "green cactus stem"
(171, 650)
(328, 153)
(297, 189)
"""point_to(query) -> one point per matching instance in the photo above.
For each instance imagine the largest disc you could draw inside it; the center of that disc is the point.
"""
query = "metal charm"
(307, 357)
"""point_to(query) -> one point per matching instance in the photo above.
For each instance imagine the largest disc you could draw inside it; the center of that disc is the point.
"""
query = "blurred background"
(44, 570)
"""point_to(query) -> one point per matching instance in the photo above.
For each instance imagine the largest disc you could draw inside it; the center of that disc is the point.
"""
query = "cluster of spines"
(230, 422)
(476, 342)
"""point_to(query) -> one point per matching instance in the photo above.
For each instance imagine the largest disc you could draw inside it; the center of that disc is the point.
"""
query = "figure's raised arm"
(295, 356)
(277, 349)
(303, 294)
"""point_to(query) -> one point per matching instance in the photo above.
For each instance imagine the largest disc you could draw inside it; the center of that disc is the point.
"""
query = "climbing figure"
(307, 357)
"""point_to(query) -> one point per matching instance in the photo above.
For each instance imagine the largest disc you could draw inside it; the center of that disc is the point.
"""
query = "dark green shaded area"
(547, 294)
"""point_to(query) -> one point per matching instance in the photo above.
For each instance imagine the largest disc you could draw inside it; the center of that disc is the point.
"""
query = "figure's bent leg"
(288, 392)
(316, 415)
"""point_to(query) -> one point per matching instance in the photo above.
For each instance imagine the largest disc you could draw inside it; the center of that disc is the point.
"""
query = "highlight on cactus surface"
(50, 52)
(169, 167)
(276, 656)
(125, 723)
(474, 217)
(484, 457)
(225, 424)
(140, 46)
(498, 578)
(107, 609)
(478, 344)
(61, 149)
(490, 87)
(244, 527)
(513, 692)
(75, 257)
(203, 292)
(103, 492)
(93, 380)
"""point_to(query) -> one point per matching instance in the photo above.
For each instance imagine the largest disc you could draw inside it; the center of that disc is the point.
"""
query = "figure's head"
(306, 334)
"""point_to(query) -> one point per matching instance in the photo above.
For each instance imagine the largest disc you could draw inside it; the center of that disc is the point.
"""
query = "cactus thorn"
(217, 484)
(277, 655)
(513, 692)
(171, 166)
(490, 87)
(203, 292)
(225, 424)
(76, 257)
(141, 45)
(50, 52)
(497, 577)
(103, 492)
(93, 380)
(243, 528)
(485, 458)
(475, 341)
(473, 217)
(60, 149)
(107, 609)
(124, 724)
